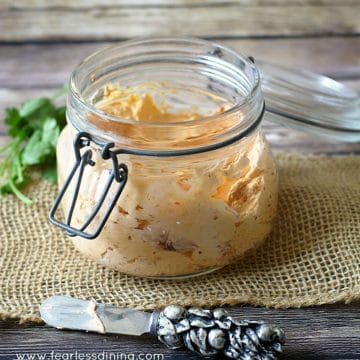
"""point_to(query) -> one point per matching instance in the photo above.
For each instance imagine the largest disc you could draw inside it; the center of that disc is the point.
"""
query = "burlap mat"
(312, 256)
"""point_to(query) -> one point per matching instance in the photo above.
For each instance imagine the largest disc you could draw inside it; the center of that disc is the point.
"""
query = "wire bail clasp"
(118, 173)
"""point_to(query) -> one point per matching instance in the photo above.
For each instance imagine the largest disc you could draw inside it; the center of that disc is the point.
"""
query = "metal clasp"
(118, 173)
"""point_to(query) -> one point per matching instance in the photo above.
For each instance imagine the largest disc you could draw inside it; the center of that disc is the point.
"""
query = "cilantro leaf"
(30, 106)
(34, 129)
(36, 119)
(36, 150)
(50, 132)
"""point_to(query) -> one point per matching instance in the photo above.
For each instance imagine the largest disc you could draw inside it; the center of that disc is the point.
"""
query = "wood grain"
(75, 4)
(231, 20)
(328, 332)
(50, 65)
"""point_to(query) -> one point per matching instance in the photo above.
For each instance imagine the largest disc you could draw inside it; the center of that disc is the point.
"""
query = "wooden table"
(41, 42)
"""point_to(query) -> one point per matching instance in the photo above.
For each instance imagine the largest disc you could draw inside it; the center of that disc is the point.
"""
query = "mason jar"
(174, 197)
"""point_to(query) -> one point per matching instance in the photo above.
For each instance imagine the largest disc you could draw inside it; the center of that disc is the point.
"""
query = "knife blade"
(206, 332)
(64, 312)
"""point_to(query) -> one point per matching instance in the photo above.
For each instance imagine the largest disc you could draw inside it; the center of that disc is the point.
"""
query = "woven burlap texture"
(312, 256)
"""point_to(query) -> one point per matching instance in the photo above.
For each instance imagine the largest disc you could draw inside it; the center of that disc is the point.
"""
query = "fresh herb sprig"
(34, 129)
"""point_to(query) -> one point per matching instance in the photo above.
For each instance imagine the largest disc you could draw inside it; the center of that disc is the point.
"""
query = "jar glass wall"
(193, 211)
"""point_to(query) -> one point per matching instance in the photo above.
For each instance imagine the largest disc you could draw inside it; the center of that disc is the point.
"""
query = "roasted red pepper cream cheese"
(181, 218)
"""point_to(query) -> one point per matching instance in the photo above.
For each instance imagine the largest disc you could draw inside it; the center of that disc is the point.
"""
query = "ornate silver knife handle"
(206, 332)
(213, 332)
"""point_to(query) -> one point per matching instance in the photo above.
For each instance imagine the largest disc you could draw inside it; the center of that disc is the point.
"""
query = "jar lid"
(310, 102)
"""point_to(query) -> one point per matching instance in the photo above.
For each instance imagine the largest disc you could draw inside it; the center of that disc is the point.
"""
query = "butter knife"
(206, 332)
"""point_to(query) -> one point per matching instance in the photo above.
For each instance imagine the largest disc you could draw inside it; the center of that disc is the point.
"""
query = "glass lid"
(310, 102)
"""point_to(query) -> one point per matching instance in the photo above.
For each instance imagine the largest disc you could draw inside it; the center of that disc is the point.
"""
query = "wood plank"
(74, 4)
(230, 21)
(50, 65)
(337, 57)
(321, 333)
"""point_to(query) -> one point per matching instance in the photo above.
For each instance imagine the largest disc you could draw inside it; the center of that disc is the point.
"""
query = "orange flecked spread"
(175, 216)
(142, 106)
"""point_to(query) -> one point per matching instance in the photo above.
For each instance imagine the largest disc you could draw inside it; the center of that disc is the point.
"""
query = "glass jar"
(167, 198)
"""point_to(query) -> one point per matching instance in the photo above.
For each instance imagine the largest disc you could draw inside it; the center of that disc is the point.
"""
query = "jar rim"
(76, 93)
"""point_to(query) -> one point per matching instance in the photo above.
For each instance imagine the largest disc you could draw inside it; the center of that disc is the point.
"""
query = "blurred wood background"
(99, 20)
(42, 41)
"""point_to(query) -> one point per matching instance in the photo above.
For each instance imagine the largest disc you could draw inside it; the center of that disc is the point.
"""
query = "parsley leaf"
(50, 132)
(30, 106)
(34, 129)
(36, 151)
